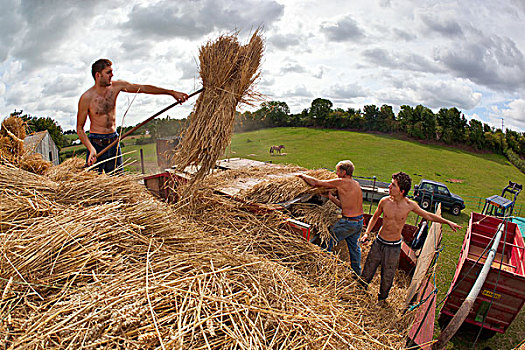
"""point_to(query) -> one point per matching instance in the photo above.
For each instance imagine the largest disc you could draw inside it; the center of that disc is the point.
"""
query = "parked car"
(429, 192)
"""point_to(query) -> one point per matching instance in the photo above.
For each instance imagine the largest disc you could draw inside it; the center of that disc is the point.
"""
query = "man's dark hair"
(99, 66)
(403, 181)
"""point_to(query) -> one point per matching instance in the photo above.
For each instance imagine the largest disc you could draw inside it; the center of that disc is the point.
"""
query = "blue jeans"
(101, 141)
(349, 231)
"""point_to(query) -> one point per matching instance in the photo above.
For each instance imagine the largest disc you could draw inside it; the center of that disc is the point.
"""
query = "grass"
(481, 175)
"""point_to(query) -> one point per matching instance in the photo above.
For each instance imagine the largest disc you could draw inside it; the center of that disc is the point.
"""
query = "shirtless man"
(386, 248)
(350, 200)
(99, 104)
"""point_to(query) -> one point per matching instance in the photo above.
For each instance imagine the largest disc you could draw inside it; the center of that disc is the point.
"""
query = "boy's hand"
(454, 226)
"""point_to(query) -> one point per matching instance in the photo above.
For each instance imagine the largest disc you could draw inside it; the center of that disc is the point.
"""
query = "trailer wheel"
(456, 210)
(425, 204)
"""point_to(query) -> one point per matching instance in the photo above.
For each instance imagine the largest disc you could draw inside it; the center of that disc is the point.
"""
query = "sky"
(467, 54)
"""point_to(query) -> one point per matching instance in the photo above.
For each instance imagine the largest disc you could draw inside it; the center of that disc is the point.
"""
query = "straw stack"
(128, 271)
(228, 71)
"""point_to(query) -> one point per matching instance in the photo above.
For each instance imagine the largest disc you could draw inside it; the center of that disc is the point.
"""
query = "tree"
(276, 112)
(165, 127)
(387, 119)
(512, 138)
(405, 118)
(451, 125)
(319, 111)
(428, 122)
(475, 134)
(371, 116)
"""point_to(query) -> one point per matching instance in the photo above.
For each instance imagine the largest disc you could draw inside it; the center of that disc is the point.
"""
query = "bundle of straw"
(321, 217)
(12, 134)
(286, 188)
(12, 151)
(228, 71)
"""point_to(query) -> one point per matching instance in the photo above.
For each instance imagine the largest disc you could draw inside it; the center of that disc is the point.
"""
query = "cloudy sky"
(467, 54)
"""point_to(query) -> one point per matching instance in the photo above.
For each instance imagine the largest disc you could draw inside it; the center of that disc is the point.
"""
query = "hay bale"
(228, 71)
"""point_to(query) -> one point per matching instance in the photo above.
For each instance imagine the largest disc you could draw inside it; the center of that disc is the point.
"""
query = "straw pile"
(228, 71)
(12, 151)
(119, 269)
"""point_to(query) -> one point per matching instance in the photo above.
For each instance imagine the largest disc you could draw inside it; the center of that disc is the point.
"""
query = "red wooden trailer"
(503, 294)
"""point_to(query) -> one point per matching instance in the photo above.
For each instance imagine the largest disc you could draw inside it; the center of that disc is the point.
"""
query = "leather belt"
(102, 142)
(355, 218)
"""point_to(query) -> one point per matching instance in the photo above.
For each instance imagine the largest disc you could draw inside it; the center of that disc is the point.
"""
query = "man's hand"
(364, 239)
(92, 157)
(180, 96)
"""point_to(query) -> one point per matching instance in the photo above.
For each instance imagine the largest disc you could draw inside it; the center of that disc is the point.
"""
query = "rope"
(121, 126)
(434, 292)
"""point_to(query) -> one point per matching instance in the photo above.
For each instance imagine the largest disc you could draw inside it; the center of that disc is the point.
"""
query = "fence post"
(142, 160)
(372, 196)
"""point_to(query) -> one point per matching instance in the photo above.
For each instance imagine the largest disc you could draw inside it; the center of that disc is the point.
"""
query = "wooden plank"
(425, 258)
(422, 330)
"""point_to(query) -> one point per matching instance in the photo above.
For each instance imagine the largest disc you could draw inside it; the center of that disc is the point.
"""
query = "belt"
(102, 142)
(390, 243)
(352, 218)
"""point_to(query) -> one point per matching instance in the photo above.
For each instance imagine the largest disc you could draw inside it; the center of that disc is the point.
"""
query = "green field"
(479, 175)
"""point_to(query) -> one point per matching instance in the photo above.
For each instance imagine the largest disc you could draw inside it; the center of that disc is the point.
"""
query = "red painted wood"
(507, 278)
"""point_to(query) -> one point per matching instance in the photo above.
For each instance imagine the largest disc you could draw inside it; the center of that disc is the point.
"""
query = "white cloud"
(514, 115)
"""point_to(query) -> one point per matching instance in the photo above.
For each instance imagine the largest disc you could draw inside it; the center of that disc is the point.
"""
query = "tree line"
(448, 125)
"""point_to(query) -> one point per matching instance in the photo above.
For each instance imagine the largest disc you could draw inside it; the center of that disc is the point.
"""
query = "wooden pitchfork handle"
(144, 122)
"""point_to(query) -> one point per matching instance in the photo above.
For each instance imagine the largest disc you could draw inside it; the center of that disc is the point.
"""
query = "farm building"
(41, 142)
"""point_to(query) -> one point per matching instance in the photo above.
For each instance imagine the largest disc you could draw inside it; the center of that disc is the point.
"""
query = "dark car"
(429, 192)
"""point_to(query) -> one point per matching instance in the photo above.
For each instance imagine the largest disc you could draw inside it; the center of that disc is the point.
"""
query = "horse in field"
(276, 149)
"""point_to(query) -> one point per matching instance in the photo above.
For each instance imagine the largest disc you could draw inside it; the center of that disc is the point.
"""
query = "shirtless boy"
(386, 248)
(99, 104)
(350, 200)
